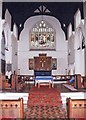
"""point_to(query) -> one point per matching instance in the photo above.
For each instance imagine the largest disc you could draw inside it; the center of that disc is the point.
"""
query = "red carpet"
(44, 96)
(45, 103)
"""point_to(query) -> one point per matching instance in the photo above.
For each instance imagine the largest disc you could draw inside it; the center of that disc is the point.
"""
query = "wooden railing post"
(69, 107)
(1, 82)
(78, 83)
(14, 81)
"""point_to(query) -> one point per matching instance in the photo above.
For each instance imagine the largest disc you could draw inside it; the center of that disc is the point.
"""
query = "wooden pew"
(14, 81)
(12, 108)
(84, 82)
(76, 108)
(1, 81)
(4, 82)
(80, 81)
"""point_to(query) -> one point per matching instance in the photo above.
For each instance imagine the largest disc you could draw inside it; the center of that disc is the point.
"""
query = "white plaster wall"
(11, 45)
(69, 32)
(71, 54)
(71, 57)
(23, 45)
(8, 18)
(77, 18)
(15, 31)
(85, 32)
(8, 54)
(0, 40)
(1, 9)
(2, 47)
(79, 54)
(14, 54)
(78, 62)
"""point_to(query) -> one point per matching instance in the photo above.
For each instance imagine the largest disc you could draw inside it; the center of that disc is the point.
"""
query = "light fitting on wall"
(83, 42)
(82, 39)
(16, 53)
(6, 49)
(78, 48)
(69, 52)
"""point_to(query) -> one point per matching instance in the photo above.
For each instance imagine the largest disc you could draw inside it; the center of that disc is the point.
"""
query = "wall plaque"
(31, 64)
(54, 63)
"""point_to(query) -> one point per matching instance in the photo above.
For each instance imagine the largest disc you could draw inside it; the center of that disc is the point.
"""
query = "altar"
(43, 78)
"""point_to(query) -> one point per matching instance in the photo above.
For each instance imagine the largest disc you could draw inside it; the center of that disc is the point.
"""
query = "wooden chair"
(76, 108)
(12, 108)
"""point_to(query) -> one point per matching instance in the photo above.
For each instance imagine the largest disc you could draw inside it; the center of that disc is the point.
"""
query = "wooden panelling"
(78, 83)
(42, 63)
(12, 108)
(76, 108)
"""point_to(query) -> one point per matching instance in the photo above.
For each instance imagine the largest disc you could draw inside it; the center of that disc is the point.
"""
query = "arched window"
(42, 36)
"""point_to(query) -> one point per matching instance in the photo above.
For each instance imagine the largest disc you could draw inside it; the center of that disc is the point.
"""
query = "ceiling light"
(20, 25)
(64, 25)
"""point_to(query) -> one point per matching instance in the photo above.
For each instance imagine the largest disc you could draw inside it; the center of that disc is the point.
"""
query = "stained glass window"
(42, 36)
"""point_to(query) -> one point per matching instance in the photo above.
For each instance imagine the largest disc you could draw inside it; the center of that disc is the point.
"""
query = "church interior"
(43, 60)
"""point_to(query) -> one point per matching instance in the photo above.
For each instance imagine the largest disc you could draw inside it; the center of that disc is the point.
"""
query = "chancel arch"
(26, 51)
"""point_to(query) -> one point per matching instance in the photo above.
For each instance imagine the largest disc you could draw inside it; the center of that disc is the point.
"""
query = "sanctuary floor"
(61, 87)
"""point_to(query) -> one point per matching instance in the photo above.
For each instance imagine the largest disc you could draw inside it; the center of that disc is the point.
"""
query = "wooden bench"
(4, 82)
(84, 82)
(76, 108)
(12, 108)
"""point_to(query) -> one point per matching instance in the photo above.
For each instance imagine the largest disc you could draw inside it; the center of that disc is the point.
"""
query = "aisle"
(44, 102)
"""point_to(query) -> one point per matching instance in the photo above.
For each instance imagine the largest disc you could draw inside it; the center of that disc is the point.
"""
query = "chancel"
(43, 60)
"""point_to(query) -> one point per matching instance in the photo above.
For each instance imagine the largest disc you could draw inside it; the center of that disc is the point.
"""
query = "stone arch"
(35, 19)
(24, 45)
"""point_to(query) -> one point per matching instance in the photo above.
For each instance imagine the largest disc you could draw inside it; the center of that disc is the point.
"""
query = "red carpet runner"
(44, 96)
(45, 103)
